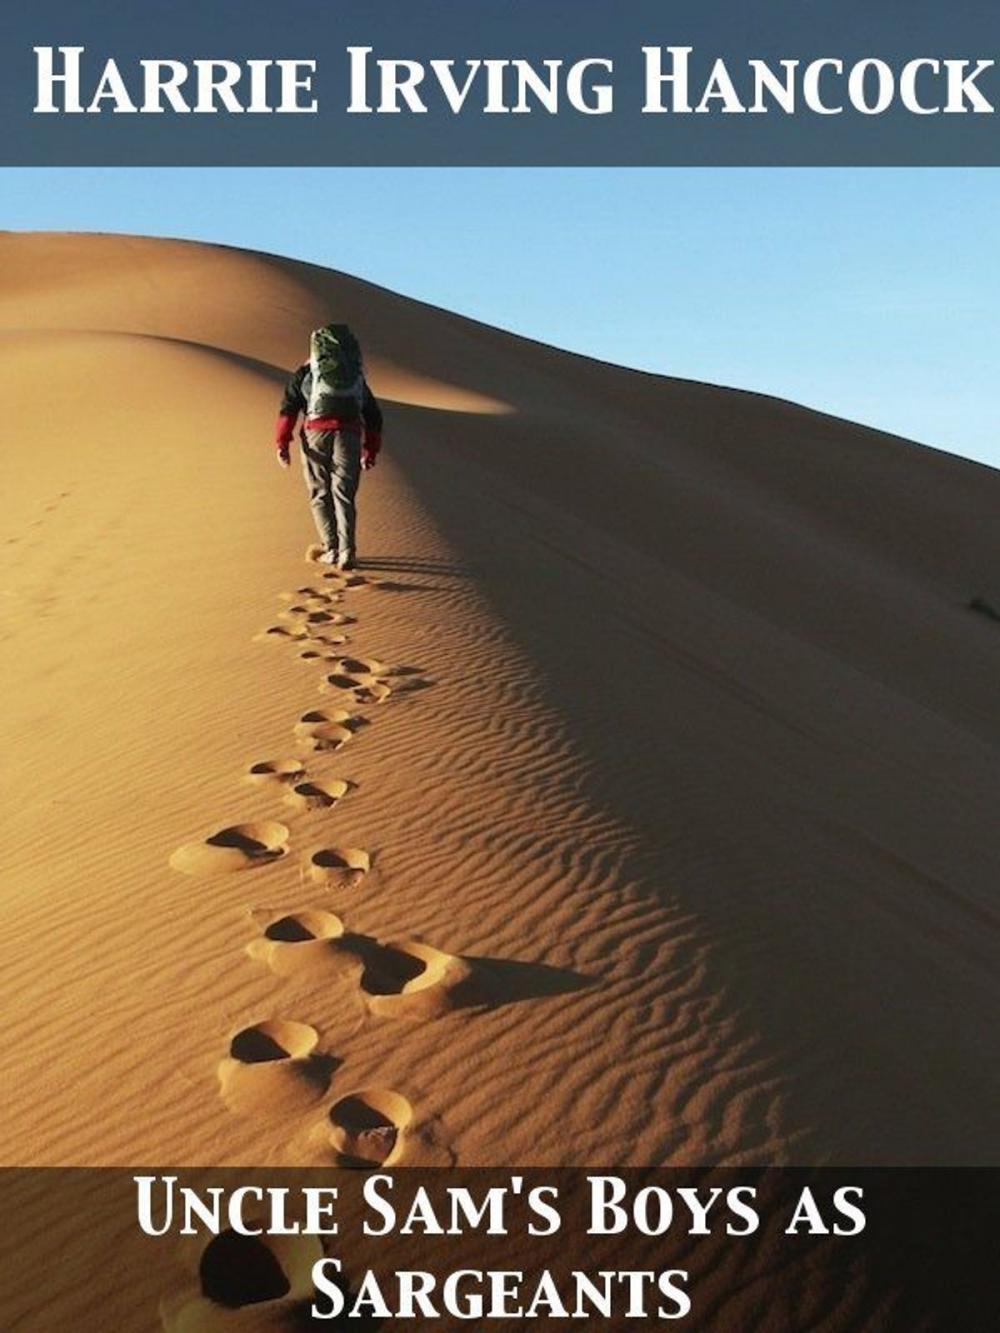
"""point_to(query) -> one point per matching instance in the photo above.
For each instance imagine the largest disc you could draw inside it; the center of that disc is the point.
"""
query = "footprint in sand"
(326, 729)
(312, 923)
(273, 1068)
(332, 577)
(372, 692)
(314, 598)
(367, 679)
(362, 689)
(302, 618)
(341, 716)
(368, 1128)
(343, 582)
(282, 771)
(315, 620)
(310, 656)
(315, 941)
(269, 1278)
(333, 864)
(404, 979)
(363, 666)
(326, 736)
(410, 979)
(296, 616)
(279, 633)
(308, 941)
(276, 1039)
(311, 795)
(324, 637)
(238, 847)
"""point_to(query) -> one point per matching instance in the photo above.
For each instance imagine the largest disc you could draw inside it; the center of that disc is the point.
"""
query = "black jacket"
(295, 403)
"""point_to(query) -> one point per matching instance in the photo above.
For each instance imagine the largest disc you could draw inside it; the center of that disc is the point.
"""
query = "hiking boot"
(329, 558)
(345, 561)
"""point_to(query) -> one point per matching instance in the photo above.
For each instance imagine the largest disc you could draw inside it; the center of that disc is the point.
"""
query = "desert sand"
(635, 803)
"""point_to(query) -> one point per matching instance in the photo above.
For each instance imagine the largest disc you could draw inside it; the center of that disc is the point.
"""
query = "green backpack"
(337, 375)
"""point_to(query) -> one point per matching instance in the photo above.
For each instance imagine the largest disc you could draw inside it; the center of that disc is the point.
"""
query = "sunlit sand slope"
(636, 802)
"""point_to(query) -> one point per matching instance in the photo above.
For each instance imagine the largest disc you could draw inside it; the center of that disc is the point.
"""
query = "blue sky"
(872, 294)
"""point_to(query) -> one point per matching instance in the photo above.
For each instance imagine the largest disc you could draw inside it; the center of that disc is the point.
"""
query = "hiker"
(331, 394)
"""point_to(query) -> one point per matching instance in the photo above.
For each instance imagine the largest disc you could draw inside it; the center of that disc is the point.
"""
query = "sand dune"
(635, 804)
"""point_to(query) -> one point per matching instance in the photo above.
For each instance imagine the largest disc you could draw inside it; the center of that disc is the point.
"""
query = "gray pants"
(331, 464)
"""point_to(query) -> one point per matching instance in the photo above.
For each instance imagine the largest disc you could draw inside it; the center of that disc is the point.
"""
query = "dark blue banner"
(501, 82)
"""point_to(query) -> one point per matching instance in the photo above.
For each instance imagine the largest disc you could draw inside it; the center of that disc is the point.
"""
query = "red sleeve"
(284, 430)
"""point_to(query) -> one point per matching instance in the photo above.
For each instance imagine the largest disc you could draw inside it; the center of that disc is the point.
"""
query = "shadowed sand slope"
(636, 804)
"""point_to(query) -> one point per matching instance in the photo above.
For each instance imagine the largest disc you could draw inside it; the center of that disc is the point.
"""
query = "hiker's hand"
(367, 460)
(283, 459)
